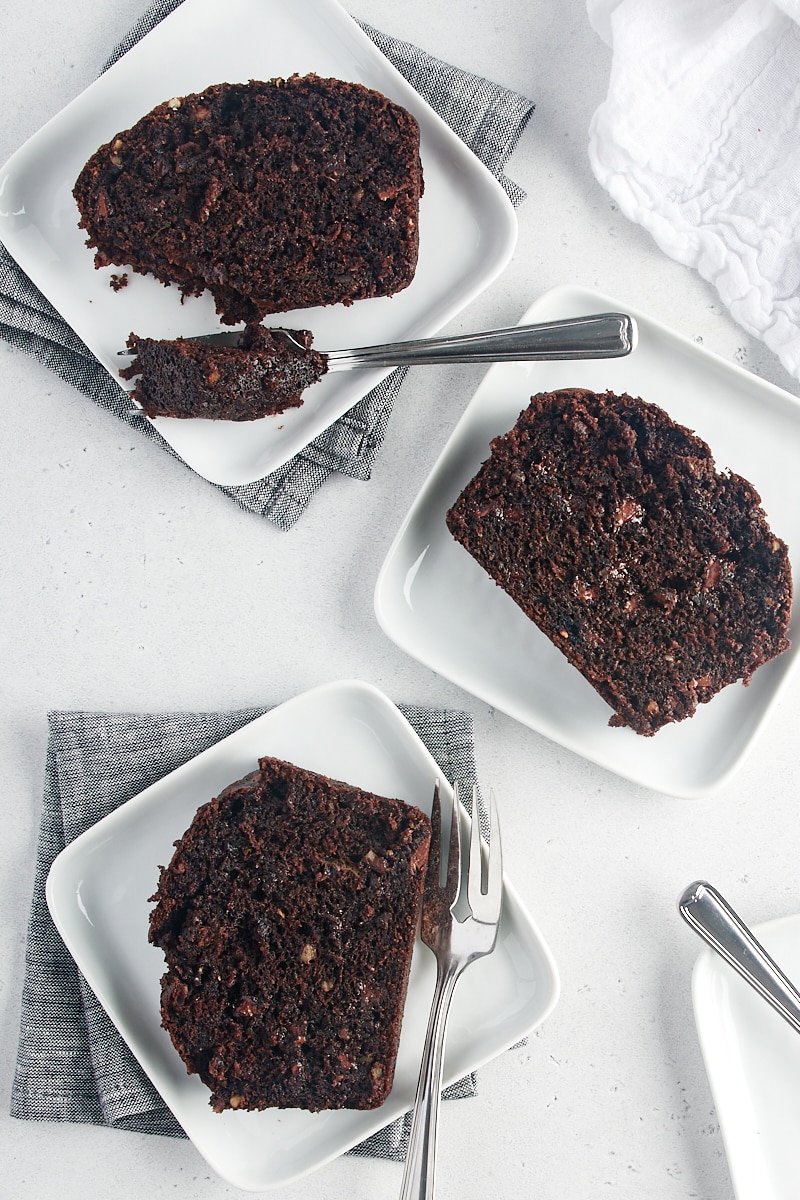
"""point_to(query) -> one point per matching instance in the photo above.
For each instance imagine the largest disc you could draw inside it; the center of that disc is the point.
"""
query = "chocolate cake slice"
(287, 917)
(271, 195)
(657, 576)
(266, 373)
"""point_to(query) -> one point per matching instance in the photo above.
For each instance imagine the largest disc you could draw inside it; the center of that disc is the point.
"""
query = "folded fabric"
(72, 1064)
(697, 141)
(489, 118)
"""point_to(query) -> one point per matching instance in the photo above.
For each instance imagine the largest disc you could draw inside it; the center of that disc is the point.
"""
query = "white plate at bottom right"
(752, 1057)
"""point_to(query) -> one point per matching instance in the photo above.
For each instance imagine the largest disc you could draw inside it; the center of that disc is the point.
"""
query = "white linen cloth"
(698, 141)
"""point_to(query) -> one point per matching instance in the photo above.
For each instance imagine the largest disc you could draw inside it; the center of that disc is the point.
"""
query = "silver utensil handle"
(420, 1168)
(606, 335)
(710, 915)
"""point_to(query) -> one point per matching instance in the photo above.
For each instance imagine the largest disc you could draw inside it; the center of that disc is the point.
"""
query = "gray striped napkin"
(72, 1064)
(489, 118)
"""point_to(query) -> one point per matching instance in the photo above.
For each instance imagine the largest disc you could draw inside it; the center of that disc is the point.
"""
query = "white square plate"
(436, 603)
(468, 227)
(752, 1058)
(98, 891)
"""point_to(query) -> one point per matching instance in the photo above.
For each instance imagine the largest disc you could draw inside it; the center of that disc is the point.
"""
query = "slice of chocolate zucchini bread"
(266, 373)
(271, 195)
(657, 576)
(287, 917)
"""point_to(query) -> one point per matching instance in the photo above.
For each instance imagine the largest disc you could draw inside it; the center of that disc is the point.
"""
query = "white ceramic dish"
(98, 891)
(467, 224)
(436, 603)
(753, 1062)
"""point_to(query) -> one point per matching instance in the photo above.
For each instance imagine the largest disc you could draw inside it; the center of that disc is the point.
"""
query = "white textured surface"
(130, 584)
(697, 142)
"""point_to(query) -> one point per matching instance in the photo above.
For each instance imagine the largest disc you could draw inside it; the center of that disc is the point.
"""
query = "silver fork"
(456, 943)
(601, 335)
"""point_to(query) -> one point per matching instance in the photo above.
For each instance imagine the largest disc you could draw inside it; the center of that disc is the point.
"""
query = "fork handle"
(604, 335)
(420, 1168)
(710, 915)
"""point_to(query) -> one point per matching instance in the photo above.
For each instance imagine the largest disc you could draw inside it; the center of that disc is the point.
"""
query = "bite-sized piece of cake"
(271, 195)
(287, 917)
(264, 375)
(656, 575)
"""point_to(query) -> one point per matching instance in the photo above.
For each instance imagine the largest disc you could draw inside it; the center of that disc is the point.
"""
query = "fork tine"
(485, 903)
(453, 882)
(475, 884)
(494, 883)
(433, 877)
(435, 849)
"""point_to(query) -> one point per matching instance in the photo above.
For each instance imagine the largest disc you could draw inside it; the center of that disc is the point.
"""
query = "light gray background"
(128, 583)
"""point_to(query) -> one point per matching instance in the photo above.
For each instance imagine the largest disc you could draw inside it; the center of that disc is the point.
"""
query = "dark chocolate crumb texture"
(657, 576)
(271, 195)
(264, 375)
(287, 917)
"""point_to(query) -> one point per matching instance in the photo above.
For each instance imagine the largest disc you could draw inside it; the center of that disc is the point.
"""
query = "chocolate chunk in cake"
(287, 917)
(272, 196)
(265, 374)
(656, 575)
